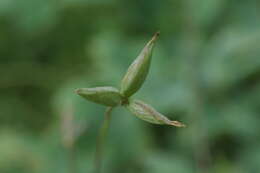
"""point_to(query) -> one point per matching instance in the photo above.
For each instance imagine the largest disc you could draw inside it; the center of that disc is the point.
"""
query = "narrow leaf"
(108, 96)
(138, 70)
(148, 113)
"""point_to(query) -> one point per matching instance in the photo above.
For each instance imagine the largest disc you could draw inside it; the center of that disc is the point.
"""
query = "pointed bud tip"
(77, 91)
(155, 36)
(177, 124)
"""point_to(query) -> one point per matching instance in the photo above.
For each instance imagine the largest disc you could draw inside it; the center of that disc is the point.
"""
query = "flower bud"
(138, 70)
(148, 113)
(108, 96)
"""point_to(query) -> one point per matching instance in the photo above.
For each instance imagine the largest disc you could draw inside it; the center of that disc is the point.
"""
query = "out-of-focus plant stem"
(193, 44)
(68, 135)
(101, 140)
(70, 131)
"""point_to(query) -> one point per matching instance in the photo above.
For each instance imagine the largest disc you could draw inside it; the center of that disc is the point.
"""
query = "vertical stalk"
(194, 43)
(101, 140)
(68, 135)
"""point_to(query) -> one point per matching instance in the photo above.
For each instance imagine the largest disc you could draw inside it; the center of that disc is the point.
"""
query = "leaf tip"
(77, 91)
(177, 124)
(155, 36)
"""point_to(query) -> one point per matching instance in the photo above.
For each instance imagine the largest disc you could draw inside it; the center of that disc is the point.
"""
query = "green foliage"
(149, 114)
(138, 70)
(108, 96)
(131, 83)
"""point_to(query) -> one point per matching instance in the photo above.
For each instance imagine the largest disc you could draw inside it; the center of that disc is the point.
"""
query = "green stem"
(101, 140)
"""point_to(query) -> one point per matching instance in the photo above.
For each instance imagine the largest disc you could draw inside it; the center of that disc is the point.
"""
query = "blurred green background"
(205, 72)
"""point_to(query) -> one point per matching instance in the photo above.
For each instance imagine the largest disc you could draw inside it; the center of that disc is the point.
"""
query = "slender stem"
(193, 46)
(101, 140)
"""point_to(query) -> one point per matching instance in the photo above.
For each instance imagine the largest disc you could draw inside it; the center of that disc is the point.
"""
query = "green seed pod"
(147, 113)
(138, 70)
(108, 96)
